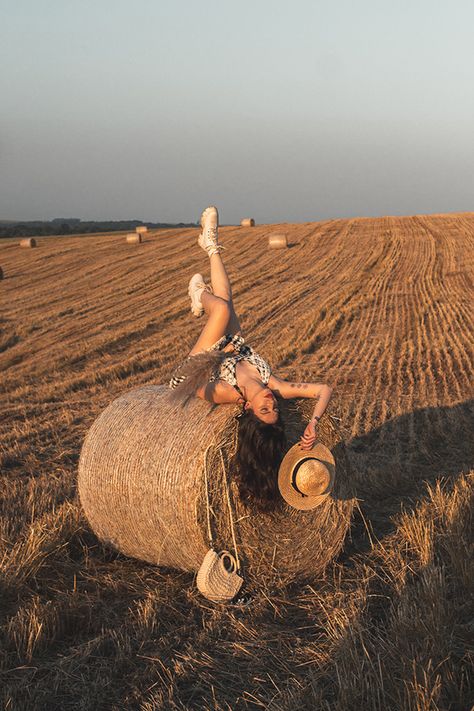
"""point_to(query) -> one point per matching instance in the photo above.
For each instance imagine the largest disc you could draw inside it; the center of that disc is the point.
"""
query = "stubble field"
(379, 308)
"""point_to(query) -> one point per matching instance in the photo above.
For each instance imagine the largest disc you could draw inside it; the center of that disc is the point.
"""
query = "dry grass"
(380, 308)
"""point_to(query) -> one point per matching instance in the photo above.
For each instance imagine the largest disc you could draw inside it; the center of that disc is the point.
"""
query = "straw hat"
(306, 477)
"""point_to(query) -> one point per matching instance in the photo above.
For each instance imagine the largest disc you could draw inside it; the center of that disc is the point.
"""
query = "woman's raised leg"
(221, 287)
(219, 278)
(218, 311)
(218, 306)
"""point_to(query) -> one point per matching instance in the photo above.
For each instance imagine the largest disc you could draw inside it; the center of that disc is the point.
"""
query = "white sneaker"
(207, 240)
(195, 289)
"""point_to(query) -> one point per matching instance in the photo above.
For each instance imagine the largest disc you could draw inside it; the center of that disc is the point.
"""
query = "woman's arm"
(218, 393)
(320, 391)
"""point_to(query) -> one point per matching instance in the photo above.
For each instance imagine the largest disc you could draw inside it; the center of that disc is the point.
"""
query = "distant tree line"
(65, 226)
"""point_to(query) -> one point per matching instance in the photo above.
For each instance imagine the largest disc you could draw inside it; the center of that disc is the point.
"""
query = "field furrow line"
(365, 343)
(430, 333)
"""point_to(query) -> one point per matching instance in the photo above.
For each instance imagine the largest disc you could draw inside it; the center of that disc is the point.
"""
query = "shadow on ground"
(392, 464)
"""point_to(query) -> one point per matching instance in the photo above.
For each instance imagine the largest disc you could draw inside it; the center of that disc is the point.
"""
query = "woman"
(221, 368)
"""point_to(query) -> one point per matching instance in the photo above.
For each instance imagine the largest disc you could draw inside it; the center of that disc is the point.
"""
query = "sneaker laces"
(213, 249)
(211, 233)
(201, 286)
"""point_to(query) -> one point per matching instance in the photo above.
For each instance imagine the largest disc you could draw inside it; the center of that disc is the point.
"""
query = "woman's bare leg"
(234, 327)
(218, 306)
(219, 312)
(221, 286)
(222, 319)
(219, 278)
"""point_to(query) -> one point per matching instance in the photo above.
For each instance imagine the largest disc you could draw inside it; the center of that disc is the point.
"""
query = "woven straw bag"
(218, 578)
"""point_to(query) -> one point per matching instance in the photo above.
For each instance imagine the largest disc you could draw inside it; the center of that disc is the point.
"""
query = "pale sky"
(283, 111)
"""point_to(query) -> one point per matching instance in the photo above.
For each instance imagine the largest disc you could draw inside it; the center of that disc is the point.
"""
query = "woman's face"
(264, 406)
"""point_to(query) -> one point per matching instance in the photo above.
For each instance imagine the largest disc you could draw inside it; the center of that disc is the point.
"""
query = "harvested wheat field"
(380, 309)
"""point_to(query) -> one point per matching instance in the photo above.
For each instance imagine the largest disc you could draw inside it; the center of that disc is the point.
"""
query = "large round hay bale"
(133, 238)
(247, 222)
(142, 487)
(277, 240)
(28, 242)
(141, 230)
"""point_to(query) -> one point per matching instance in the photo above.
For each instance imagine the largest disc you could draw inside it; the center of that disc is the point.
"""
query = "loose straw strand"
(208, 506)
(230, 509)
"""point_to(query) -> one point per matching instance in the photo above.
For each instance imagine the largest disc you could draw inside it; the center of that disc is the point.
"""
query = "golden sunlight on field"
(380, 309)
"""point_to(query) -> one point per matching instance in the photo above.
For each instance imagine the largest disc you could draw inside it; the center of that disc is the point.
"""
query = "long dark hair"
(260, 449)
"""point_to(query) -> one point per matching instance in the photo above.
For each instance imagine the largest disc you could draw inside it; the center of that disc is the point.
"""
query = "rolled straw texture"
(142, 487)
(28, 242)
(141, 229)
(134, 238)
(277, 240)
(1, 273)
(247, 222)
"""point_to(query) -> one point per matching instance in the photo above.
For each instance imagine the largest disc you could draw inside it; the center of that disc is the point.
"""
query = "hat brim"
(290, 461)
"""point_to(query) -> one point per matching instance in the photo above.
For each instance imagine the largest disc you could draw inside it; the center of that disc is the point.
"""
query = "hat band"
(295, 472)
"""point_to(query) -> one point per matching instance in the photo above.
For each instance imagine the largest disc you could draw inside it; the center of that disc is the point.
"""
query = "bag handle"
(208, 505)
(232, 566)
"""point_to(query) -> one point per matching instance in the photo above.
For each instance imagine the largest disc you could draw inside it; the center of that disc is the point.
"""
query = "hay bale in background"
(141, 230)
(133, 238)
(142, 487)
(247, 222)
(278, 240)
(28, 242)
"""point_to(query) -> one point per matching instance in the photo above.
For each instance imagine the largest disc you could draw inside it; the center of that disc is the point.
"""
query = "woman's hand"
(309, 436)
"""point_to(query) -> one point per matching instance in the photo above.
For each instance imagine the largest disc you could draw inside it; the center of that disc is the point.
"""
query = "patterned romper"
(226, 370)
